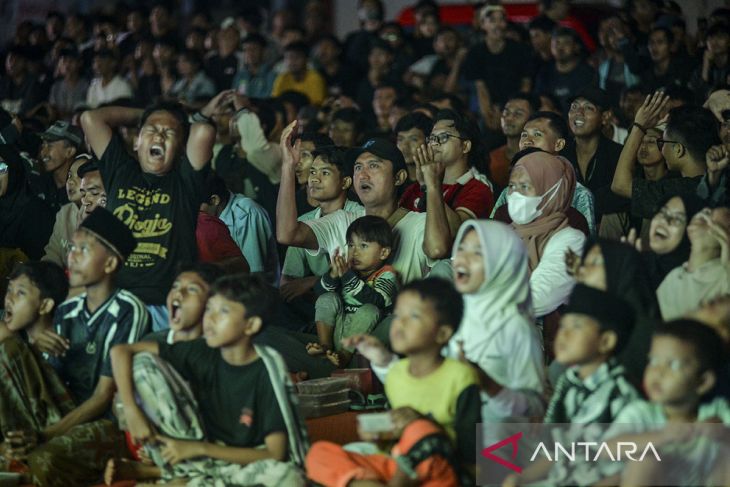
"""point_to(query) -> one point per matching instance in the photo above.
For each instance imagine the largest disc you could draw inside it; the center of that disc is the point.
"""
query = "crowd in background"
(502, 220)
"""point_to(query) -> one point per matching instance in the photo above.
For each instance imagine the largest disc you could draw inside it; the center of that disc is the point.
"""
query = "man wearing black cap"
(593, 156)
(379, 171)
(86, 327)
(61, 142)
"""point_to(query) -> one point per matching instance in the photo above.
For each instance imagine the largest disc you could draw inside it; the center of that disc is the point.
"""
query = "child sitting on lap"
(358, 290)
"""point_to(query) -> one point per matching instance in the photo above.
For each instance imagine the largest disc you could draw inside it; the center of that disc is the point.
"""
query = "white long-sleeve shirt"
(262, 154)
(550, 282)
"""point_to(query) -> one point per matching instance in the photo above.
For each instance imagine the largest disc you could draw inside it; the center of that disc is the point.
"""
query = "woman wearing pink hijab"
(540, 190)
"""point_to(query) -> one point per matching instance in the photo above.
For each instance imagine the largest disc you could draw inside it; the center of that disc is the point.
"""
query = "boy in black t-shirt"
(157, 195)
(235, 422)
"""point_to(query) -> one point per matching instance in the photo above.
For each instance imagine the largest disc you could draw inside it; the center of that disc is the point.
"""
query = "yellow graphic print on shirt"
(134, 211)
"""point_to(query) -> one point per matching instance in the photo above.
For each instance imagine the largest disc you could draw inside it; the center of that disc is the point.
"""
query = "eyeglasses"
(672, 219)
(660, 143)
(3, 168)
(442, 138)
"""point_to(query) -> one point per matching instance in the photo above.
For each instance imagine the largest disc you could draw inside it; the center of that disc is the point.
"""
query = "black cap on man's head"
(383, 149)
(110, 230)
(595, 95)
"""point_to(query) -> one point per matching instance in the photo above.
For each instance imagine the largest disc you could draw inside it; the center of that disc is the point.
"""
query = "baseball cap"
(594, 95)
(384, 149)
(62, 130)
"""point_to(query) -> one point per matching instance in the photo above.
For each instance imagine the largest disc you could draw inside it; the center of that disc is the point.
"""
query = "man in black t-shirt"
(498, 65)
(158, 194)
(568, 73)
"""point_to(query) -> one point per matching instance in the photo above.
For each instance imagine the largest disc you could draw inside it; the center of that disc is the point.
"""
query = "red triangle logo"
(510, 440)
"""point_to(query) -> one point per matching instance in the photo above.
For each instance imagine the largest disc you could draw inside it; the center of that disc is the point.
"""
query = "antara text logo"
(589, 451)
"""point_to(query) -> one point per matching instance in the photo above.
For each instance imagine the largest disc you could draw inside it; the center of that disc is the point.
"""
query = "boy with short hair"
(236, 422)
(357, 291)
(686, 363)
(327, 185)
(594, 329)
(34, 292)
(427, 313)
(73, 450)
(186, 303)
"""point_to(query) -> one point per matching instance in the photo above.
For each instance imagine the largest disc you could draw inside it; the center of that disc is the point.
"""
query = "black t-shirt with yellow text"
(161, 211)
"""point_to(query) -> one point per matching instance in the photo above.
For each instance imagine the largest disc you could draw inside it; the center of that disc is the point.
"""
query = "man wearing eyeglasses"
(447, 164)
(689, 134)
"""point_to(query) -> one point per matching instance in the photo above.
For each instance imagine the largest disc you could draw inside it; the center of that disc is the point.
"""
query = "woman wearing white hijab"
(497, 332)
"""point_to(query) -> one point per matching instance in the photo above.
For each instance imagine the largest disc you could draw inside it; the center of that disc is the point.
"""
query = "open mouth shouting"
(462, 274)
(7, 316)
(176, 312)
(157, 151)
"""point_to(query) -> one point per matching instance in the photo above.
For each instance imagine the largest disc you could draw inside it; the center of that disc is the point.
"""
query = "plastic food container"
(316, 411)
(326, 398)
(323, 386)
(360, 379)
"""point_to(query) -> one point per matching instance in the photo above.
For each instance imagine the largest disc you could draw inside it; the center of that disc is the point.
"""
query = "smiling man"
(594, 157)
(158, 194)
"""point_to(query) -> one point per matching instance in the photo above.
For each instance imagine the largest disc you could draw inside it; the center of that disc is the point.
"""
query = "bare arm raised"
(98, 125)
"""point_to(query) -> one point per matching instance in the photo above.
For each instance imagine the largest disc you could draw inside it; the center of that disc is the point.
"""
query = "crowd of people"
(504, 221)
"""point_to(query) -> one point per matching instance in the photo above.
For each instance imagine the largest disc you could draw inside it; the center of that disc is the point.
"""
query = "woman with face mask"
(540, 191)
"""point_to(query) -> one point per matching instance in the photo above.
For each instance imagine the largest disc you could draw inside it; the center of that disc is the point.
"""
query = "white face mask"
(524, 209)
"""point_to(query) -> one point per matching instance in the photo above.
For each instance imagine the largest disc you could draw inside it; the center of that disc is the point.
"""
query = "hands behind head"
(218, 103)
